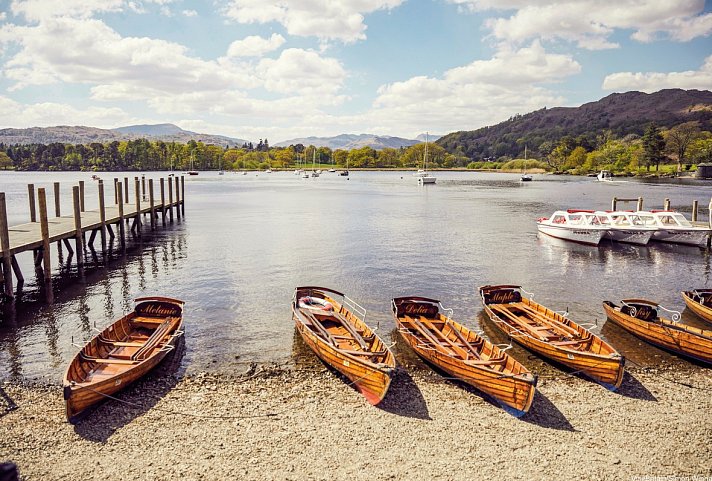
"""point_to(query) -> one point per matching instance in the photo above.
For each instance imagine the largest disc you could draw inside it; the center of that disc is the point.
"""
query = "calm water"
(247, 241)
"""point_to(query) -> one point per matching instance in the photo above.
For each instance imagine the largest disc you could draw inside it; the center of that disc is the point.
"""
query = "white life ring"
(316, 303)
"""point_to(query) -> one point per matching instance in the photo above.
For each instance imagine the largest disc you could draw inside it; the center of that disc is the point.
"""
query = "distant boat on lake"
(422, 175)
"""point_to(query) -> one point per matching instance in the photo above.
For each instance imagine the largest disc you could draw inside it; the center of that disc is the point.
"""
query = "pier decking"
(38, 235)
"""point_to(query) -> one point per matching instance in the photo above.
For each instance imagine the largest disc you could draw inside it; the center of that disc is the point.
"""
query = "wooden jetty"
(38, 234)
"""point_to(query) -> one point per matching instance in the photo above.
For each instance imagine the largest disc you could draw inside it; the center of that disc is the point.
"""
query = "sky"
(283, 69)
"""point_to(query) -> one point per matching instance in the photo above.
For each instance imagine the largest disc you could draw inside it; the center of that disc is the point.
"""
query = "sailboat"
(345, 173)
(422, 175)
(192, 170)
(332, 169)
(525, 177)
(315, 173)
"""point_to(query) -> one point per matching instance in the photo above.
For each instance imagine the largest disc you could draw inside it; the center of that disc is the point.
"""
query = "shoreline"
(306, 423)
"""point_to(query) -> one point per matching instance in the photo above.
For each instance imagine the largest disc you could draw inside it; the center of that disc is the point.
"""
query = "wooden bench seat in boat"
(364, 353)
(101, 360)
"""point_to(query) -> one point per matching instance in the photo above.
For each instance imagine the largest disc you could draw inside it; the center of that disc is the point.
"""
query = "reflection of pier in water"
(38, 337)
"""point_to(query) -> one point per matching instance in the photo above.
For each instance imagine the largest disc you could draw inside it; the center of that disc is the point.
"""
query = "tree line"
(148, 155)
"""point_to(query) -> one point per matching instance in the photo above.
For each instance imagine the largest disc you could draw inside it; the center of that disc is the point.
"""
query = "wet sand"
(309, 424)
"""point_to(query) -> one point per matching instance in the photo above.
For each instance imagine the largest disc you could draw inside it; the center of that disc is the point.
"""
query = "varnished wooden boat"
(699, 301)
(642, 318)
(552, 335)
(330, 325)
(462, 353)
(123, 352)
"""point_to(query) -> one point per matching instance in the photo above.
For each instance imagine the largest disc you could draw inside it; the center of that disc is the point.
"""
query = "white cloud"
(301, 71)
(189, 13)
(333, 20)
(46, 114)
(654, 81)
(481, 93)
(255, 46)
(590, 23)
(37, 10)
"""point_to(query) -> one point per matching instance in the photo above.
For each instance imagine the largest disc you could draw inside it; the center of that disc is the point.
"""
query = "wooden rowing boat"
(462, 353)
(699, 301)
(642, 318)
(122, 353)
(552, 335)
(334, 327)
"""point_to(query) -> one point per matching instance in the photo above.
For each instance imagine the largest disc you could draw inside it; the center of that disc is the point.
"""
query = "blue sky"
(281, 69)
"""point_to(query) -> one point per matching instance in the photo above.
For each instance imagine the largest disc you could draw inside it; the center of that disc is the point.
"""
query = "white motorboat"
(625, 227)
(604, 175)
(576, 226)
(673, 227)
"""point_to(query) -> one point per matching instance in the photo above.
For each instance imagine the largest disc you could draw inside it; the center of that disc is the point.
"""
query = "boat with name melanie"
(644, 319)
(429, 330)
(573, 225)
(122, 353)
(699, 301)
(552, 335)
(334, 327)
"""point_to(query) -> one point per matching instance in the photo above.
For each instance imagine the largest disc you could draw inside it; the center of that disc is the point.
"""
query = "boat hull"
(702, 311)
(85, 386)
(630, 236)
(574, 234)
(678, 338)
(693, 237)
(600, 361)
(371, 379)
(516, 392)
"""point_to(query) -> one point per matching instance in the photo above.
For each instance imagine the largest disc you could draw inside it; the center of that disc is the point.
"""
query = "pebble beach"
(277, 423)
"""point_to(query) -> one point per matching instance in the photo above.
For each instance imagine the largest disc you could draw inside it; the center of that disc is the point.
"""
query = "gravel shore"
(308, 424)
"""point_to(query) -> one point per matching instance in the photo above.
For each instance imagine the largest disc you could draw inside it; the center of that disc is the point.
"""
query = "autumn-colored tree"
(679, 139)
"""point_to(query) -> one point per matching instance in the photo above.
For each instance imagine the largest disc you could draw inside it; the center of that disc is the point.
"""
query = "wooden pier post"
(614, 203)
(163, 203)
(126, 190)
(177, 198)
(78, 229)
(81, 195)
(170, 199)
(137, 189)
(640, 203)
(31, 194)
(143, 186)
(122, 232)
(102, 220)
(182, 195)
(151, 204)
(5, 245)
(57, 209)
(116, 190)
(44, 228)
(694, 210)
(666, 204)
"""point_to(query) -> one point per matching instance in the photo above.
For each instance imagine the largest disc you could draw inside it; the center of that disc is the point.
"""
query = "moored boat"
(643, 319)
(335, 328)
(673, 227)
(699, 301)
(462, 353)
(604, 176)
(573, 225)
(552, 335)
(625, 227)
(122, 353)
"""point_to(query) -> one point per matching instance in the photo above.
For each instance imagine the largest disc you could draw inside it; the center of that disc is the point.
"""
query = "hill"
(352, 141)
(86, 135)
(621, 114)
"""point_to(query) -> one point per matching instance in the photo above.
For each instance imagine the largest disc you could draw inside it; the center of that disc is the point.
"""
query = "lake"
(248, 240)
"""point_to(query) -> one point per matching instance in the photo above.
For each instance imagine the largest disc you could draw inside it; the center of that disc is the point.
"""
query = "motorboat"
(625, 227)
(572, 225)
(673, 227)
(604, 176)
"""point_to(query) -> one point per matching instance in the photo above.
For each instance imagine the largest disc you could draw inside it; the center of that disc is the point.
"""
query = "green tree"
(653, 146)
(5, 161)
(679, 139)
